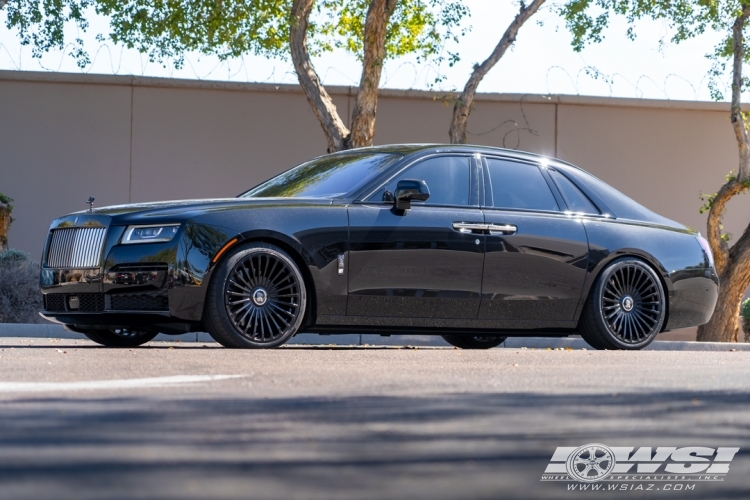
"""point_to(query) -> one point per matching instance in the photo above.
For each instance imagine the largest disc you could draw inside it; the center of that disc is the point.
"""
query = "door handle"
(502, 228)
(469, 227)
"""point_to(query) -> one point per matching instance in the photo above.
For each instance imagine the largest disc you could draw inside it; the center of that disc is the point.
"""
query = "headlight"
(150, 234)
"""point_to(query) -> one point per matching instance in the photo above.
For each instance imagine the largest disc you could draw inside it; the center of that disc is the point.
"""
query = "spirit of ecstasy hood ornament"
(90, 201)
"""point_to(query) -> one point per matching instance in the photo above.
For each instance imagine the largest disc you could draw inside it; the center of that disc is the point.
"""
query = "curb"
(46, 331)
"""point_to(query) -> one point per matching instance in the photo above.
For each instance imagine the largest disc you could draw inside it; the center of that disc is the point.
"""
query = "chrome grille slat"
(76, 247)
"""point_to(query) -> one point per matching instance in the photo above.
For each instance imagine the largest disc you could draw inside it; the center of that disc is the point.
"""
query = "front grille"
(54, 302)
(87, 302)
(76, 247)
(139, 301)
(90, 302)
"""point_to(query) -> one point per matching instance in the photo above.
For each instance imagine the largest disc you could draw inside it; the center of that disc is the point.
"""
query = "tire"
(474, 342)
(120, 337)
(256, 298)
(626, 307)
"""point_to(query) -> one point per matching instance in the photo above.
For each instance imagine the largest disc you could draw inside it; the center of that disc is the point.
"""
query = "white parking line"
(110, 384)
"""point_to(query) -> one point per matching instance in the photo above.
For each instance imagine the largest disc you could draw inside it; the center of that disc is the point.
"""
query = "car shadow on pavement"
(454, 445)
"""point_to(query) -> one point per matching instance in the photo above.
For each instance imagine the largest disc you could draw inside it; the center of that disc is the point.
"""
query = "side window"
(447, 177)
(519, 186)
(574, 198)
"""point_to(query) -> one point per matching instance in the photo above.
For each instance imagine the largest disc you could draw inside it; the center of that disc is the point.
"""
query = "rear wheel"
(474, 342)
(256, 298)
(626, 307)
(120, 337)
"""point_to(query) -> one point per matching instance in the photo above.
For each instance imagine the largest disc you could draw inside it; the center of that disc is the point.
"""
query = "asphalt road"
(184, 421)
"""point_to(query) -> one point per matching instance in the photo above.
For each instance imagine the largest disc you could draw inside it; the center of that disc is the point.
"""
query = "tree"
(687, 19)
(6, 220)
(373, 30)
(463, 105)
(41, 24)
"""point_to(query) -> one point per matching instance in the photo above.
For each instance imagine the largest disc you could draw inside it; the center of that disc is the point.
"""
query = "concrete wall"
(64, 138)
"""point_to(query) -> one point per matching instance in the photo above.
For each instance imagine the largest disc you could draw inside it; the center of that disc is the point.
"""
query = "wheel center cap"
(260, 297)
(627, 303)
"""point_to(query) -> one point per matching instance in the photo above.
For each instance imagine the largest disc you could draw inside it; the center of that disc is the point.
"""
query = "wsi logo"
(599, 462)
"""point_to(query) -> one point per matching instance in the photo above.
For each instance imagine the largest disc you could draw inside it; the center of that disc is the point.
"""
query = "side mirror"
(409, 190)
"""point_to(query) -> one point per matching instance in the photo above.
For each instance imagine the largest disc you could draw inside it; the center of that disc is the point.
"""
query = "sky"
(541, 62)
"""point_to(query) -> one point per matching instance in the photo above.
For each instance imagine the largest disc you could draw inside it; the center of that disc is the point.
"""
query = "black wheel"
(120, 337)
(626, 307)
(256, 298)
(474, 342)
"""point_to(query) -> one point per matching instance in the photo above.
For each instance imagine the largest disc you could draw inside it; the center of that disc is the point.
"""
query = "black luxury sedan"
(472, 243)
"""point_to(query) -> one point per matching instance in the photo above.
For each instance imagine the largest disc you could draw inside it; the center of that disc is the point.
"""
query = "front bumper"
(132, 284)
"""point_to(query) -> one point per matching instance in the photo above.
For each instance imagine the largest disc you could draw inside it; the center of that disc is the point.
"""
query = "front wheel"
(119, 337)
(626, 307)
(474, 342)
(256, 298)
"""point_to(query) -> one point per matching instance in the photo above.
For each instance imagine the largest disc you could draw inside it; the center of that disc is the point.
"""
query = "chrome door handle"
(502, 228)
(469, 227)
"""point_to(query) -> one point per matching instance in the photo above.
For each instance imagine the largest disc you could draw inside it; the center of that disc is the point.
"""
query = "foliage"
(20, 298)
(587, 19)
(12, 255)
(41, 24)
(745, 313)
(6, 200)
(167, 29)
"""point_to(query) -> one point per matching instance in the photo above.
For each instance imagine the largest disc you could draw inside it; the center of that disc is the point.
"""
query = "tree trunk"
(462, 107)
(724, 324)
(5, 220)
(366, 104)
(732, 264)
(322, 105)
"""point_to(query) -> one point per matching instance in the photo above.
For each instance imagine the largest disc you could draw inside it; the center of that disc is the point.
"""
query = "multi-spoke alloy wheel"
(262, 298)
(626, 307)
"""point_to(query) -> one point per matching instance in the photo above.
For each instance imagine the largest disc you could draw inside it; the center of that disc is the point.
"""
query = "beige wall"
(64, 138)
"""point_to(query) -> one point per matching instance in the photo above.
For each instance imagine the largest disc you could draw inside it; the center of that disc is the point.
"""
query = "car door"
(536, 252)
(422, 262)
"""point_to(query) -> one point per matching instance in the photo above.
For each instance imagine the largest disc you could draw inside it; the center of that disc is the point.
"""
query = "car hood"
(176, 210)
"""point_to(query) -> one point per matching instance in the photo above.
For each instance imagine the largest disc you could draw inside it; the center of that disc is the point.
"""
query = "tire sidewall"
(219, 317)
(611, 338)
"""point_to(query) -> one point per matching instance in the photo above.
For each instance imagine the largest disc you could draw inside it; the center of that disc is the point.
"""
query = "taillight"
(706, 248)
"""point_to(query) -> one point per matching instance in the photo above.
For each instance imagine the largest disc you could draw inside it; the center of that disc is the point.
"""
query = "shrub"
(13, 255)
(745, 313)
(20, 298)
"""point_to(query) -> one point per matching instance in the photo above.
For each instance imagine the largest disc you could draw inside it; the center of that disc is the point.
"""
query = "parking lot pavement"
(177, 420)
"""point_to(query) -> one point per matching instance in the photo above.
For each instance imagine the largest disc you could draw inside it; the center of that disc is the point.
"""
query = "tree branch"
(719, 247)
(321, 103)
(2, 3)
(737, 118)
(462, 108)
(366, 103)
(733, 186)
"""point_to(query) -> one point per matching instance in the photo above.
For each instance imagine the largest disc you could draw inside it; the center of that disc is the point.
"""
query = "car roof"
(408, 149)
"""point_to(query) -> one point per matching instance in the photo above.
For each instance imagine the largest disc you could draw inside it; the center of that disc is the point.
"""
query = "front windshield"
(327, 176)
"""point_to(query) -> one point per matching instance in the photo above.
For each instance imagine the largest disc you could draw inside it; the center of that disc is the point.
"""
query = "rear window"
(621, 205)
